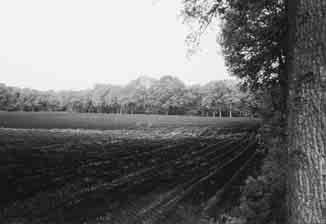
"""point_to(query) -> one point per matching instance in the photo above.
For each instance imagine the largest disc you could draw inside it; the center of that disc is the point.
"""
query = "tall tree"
(282, 44)
(307, 118)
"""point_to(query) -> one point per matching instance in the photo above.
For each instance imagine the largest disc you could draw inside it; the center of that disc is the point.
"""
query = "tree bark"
(307, 112)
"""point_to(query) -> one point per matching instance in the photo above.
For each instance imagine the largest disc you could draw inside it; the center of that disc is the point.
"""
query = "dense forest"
(145, 95)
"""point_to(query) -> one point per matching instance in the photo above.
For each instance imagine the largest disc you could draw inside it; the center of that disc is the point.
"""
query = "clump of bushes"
(263, 196)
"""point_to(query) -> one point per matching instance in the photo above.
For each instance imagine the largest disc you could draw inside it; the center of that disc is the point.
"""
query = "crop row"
(46, 179)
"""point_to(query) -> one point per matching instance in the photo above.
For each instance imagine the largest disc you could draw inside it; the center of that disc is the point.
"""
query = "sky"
(74, 44)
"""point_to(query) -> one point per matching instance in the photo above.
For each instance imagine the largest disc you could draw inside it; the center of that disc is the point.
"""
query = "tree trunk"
(220, 113)
(230, 111)
(307, 112)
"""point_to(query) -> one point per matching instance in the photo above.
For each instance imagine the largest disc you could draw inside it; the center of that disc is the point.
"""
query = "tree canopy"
(253, 38)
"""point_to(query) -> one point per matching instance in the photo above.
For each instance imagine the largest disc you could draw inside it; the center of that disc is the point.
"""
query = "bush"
(262, 196)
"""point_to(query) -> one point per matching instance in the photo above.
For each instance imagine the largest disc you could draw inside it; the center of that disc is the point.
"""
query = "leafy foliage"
(253, 37)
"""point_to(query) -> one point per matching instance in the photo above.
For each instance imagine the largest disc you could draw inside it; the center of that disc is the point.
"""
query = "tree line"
(145, 95)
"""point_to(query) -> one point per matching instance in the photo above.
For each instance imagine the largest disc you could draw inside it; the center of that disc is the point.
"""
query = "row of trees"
(167, 95)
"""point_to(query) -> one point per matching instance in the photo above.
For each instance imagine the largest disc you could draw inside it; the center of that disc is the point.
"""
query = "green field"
(140, 169)
(64, 120)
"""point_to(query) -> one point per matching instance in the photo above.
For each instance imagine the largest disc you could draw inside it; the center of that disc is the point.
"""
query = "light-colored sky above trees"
(73, 44)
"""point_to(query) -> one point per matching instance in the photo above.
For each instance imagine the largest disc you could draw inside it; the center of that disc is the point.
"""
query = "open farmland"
(175, 173)
(65, 120)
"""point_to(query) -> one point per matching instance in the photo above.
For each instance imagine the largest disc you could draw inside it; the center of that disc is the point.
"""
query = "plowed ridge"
(118, 181)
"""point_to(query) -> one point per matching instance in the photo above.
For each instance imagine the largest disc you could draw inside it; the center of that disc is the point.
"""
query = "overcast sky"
(73, 44)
